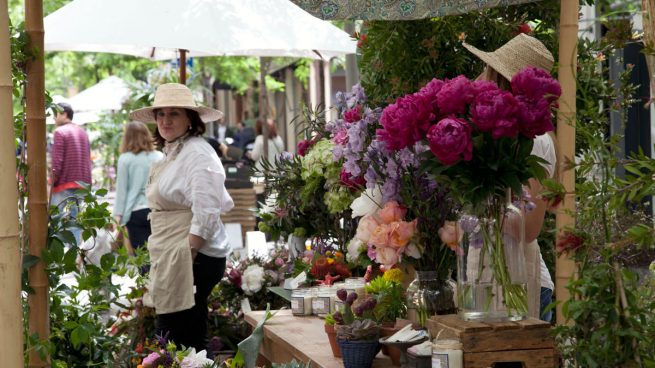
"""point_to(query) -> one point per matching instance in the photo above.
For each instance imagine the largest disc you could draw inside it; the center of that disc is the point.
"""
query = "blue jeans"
(545, 299)
(68, 198)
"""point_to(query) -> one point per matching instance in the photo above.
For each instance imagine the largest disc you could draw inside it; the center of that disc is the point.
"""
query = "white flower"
(412, 251)
(195, 360)
(367, 203)
(354, 249)
(252, 278)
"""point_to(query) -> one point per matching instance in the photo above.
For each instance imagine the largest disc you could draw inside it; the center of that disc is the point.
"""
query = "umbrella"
(108, 94)
(158, 29)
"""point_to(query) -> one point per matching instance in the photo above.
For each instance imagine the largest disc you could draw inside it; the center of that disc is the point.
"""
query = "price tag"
(245, 306)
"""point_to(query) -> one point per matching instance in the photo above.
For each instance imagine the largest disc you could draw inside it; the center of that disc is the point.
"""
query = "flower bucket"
(332, 337)
(358, 354)
(492, 281)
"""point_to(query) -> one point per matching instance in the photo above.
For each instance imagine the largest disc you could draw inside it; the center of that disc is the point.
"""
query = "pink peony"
(350, 182)
(341, 137)
(279, 262)
(391, 212)
(150, 360)
(450, 139)
(380, 236)
(401, 233)
(535, 84)
(455, 95)
(535, 118)
(386, 256)
(480, 86)
(352, 115)
(303, 146)
(235, 277)
(366, 226)
(430, 91)
(405, 122)
(495, 111)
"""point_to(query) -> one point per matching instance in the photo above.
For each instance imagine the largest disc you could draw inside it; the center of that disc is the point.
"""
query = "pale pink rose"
(366, 226)
(401, 233)
(391, 212)
(380, 236)
(386, 256)
(448, 233)
(412, 251)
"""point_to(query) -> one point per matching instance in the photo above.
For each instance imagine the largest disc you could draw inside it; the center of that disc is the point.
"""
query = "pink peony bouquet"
(479, 136)
(385, 237)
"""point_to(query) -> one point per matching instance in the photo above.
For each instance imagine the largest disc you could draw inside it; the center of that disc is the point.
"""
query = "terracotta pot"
(391, 351)
(332, 336)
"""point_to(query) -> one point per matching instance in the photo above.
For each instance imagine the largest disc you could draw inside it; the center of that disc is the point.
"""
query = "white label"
(321, 305)
(440, 360)
(298, 306)
(245, 305)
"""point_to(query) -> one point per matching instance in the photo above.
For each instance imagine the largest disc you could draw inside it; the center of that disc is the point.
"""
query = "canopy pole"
(183, 66)
(11, 314)
(263, 102)
(352, 73)
(565, 267)
(37, 205)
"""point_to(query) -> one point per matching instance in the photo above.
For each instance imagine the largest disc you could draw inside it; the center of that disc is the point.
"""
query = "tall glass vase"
(429, 295)
(491, 276)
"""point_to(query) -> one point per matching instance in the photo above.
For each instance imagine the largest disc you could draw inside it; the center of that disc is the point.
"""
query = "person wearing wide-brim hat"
(502, 64)
(186, 194)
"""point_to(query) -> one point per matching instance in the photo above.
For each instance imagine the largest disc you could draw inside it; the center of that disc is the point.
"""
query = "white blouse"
(196, 179)
(544, 147)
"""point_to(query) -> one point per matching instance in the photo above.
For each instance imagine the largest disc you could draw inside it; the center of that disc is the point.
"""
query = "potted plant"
(332, 335)
(389, 293)
(357, 332)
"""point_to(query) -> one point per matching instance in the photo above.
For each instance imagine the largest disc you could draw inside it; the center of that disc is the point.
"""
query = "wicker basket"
(358, 354)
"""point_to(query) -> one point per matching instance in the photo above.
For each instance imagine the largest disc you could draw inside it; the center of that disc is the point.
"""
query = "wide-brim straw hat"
(518, 53)
(175, 95)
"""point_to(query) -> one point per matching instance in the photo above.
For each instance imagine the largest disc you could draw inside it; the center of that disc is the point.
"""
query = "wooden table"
(288, 337)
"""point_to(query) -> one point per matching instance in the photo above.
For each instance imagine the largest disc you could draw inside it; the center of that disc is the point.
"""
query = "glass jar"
(428, 295)
(492, 281)
(301, 302)
(355, 285)
(322, 302)
(447, 354)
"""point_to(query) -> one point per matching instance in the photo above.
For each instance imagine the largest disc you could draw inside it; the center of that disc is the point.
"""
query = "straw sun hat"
(174, 95)
(519, 52)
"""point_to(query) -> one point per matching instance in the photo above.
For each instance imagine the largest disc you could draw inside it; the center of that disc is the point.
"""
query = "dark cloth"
(545, 299)
(189, 327)
(138, 228)
(244, 136)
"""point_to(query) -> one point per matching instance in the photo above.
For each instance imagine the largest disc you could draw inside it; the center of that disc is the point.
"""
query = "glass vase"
(491, 275)
(429, 295)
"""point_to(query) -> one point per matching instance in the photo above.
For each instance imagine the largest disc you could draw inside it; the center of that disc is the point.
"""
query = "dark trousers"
(189, 327)
(138, 228)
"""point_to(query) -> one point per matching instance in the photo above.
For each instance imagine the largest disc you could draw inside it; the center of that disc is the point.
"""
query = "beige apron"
(170, 287)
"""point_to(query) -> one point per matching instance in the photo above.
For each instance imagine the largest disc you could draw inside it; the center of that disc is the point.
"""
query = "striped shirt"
(71, 157)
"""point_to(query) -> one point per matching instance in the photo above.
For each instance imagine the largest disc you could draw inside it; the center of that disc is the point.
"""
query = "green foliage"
(611, 305)
(390, 298)
(398, 57)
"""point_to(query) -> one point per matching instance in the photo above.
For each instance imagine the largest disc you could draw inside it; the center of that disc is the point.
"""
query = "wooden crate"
(245, 204)
(485, 344)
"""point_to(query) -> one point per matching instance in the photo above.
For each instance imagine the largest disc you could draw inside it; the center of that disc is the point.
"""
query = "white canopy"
(108, 94)
(156, 29)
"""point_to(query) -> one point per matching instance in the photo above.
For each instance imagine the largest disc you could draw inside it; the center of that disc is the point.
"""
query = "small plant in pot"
(332, 335)
(357, 331)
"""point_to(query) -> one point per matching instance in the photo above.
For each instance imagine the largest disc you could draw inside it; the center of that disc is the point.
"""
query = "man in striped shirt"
(71, 162)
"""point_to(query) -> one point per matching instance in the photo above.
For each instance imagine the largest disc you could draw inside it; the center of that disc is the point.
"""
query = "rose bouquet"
(480, 139)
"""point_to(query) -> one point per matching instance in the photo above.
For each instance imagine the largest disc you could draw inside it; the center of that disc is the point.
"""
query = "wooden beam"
(11, 313)
(37, 204)
(568, 55)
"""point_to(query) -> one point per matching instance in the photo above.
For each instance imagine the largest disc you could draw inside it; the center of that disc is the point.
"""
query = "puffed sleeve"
(544, 147)
(205, 187)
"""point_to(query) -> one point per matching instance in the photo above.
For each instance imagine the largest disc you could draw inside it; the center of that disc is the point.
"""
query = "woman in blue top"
(137, 155)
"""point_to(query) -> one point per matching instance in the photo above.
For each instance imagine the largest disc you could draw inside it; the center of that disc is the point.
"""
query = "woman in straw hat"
(137, 155)
(501, 65)
(186, 194)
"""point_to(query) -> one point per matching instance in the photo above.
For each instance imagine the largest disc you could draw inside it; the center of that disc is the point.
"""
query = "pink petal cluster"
(303, 146)
(352, 115)
(455, 95)
(388, 237)
(354, 183)
(536, 84)
(494, 111)
(405, 122)
(430, 91)
(450, 140)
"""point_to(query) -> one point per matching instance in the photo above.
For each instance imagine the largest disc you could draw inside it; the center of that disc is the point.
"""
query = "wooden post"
(568, 53)
(648, 14)
(37, 204)
(183, 66)
(11, 314)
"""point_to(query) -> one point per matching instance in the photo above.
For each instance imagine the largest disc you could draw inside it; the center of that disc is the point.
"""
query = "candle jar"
(447, 354)
(322, 302)
(301, 302)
